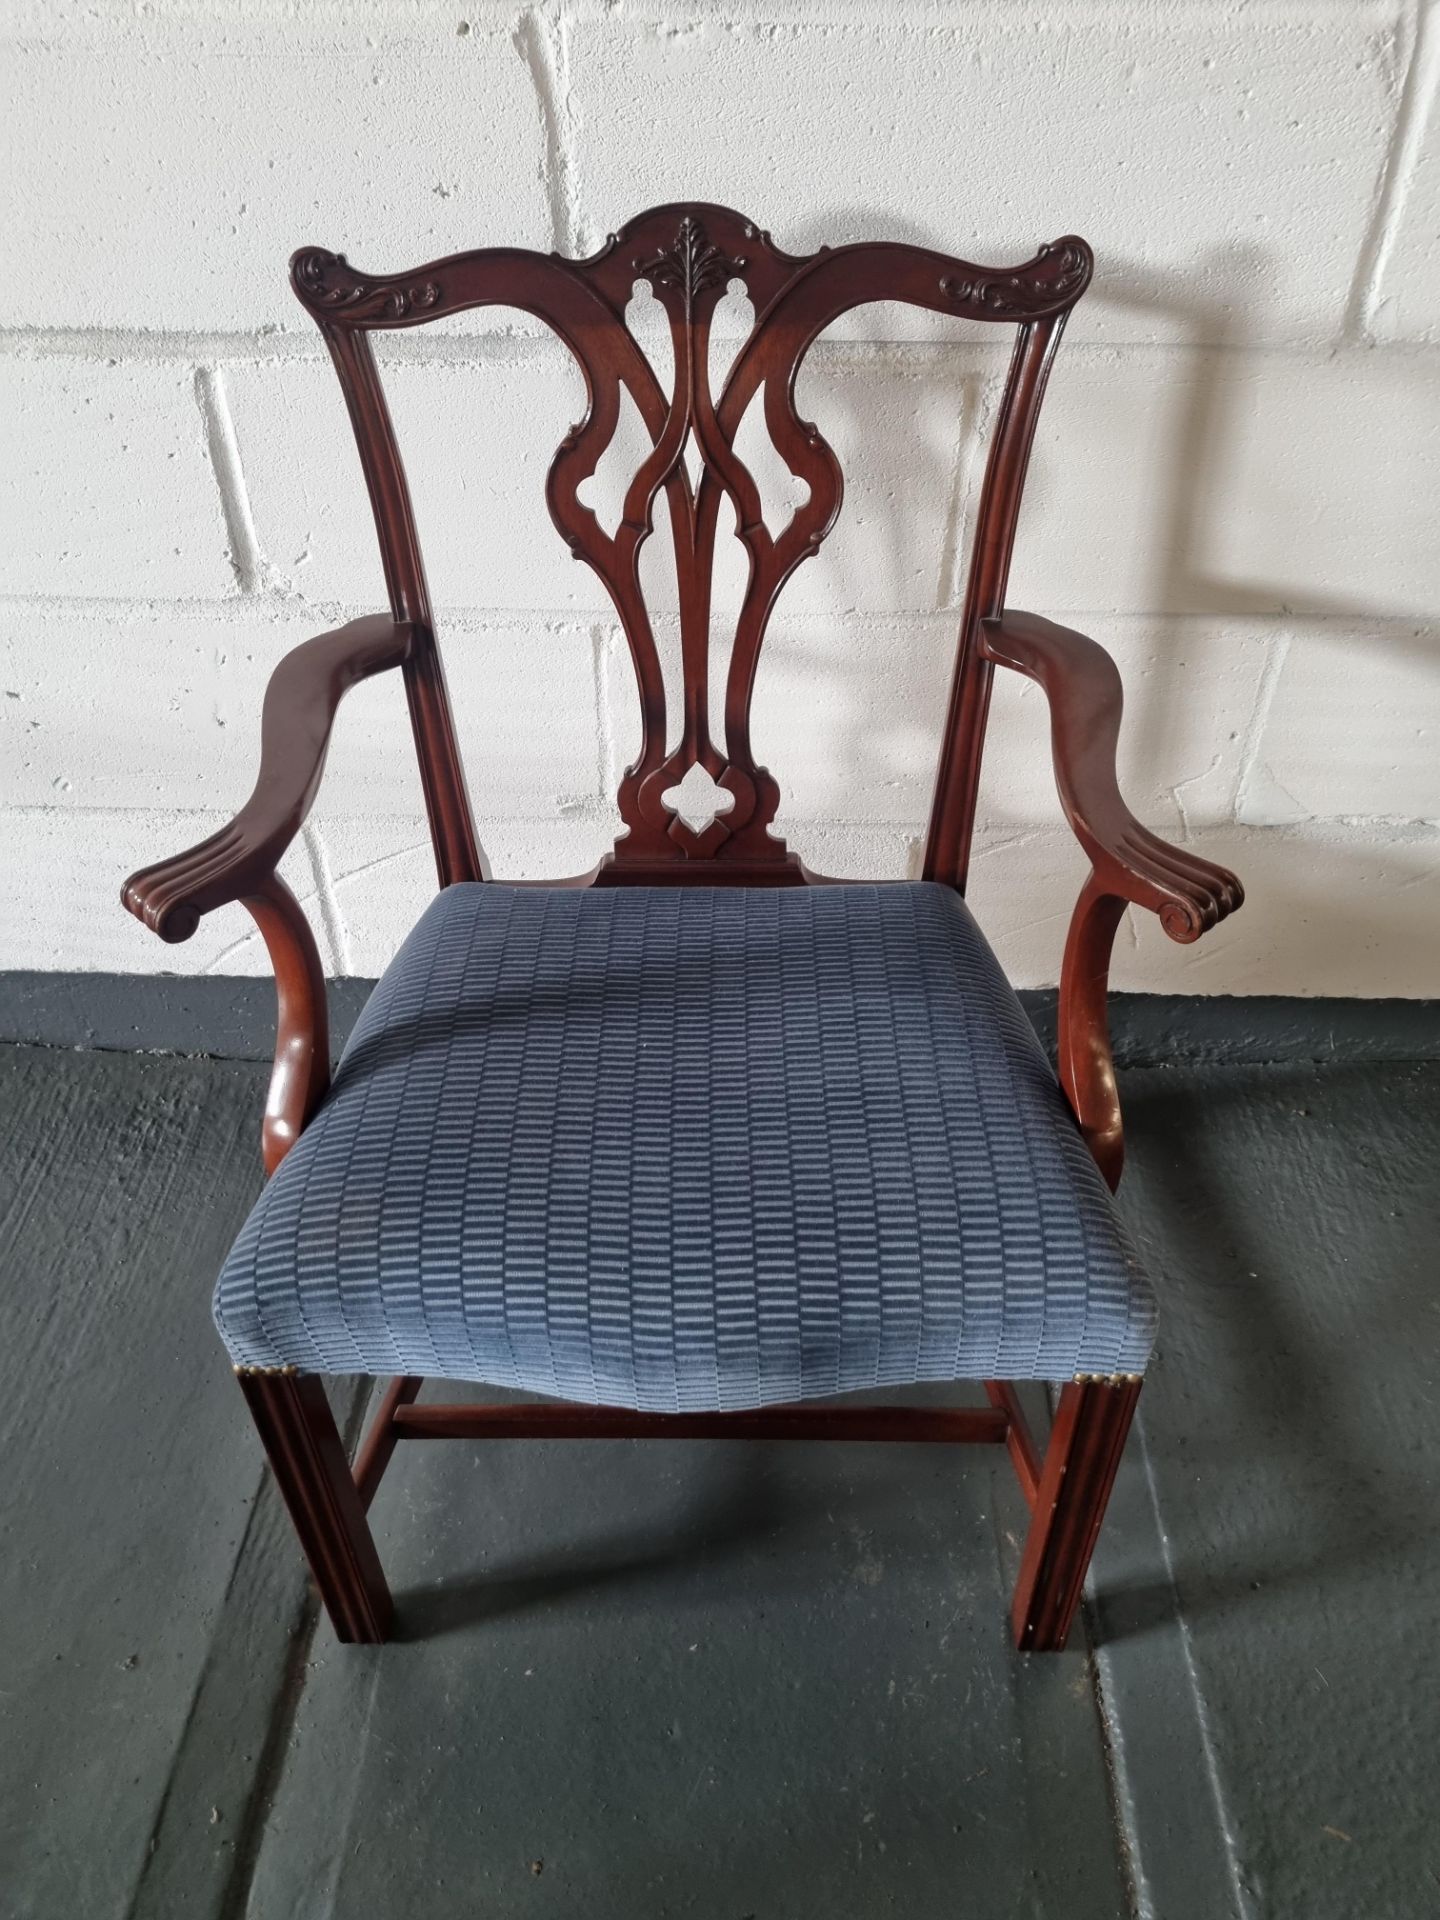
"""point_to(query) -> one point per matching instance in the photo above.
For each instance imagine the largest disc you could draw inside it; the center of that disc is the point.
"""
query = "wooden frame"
(690, 254)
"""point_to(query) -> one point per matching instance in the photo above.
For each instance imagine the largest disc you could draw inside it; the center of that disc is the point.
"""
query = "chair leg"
(1086, 1441)
(307, 1457)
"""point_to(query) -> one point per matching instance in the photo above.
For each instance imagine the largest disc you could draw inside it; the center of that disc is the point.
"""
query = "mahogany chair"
(697, 1142)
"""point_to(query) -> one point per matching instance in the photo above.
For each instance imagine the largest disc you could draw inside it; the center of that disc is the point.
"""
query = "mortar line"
(264, 345)
(1178, 787)
(935, 19)
(989, 384)
(567, 148)
(273, 600)
(606, 771)
(1362, 828)
(331, 917)
(974, 392)
(1417, 95)
(504, 344)
(1249, 754)
(541, 41)
(223, 451)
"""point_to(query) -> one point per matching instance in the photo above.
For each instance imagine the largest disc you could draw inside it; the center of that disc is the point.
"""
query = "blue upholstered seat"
(690, 1148)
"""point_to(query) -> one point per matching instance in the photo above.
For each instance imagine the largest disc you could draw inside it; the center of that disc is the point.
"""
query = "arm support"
(1129, 864)
(1083, 687)
(300, 704)
(239, 862)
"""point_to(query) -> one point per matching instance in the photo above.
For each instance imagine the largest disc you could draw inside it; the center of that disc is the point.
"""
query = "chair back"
(691, 254)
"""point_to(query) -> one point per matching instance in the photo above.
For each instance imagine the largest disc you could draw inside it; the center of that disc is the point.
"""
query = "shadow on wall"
(1232, 466)
(1210, 422)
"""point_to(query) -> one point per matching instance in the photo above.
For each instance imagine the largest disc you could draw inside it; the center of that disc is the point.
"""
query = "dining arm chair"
(698, 1142)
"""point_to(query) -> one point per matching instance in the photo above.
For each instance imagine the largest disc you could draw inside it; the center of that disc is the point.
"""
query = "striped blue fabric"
(690, 1148)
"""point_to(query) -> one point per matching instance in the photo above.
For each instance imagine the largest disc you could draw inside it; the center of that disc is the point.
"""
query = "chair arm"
(1083, 687)
(300, 704)
(239, 862)
(1128, 862)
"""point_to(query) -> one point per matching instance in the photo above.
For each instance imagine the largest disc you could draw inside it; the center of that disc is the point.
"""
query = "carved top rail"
(690, 254)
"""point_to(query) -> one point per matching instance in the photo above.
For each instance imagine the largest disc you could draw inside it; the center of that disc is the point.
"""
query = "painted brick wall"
(1235, 486)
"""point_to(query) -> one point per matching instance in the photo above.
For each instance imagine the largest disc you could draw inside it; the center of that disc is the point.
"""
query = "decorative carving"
(327, 280)
(690, 264)
(689, 253)
(1056, 271)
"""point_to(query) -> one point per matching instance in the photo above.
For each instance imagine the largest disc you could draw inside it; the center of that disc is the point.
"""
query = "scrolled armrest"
(1081, 682)
(1128, 862)
(299, 711)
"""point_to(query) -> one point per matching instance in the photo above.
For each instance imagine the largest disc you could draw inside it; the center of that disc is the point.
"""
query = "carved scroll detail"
(1060, 269)
(328, 282)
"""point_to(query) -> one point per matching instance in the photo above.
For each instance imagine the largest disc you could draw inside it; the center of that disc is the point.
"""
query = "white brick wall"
(1234, 488)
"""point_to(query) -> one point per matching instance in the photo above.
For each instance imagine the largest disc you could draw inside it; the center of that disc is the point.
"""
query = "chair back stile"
(957, 779)
(458, 855)
(691, 254)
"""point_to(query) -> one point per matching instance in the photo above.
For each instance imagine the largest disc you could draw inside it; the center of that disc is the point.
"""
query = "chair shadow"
(714, 1528)
(1330, 1435)
(746, 1503)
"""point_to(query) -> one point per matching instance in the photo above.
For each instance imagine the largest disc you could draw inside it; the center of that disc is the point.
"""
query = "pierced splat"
(689, 274)
(697, 802)
(687, 259)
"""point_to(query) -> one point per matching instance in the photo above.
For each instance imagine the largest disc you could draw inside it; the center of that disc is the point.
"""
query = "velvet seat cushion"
(690, 1148)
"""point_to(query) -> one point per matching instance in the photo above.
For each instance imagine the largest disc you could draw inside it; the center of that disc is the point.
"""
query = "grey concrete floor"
(716, 1680)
